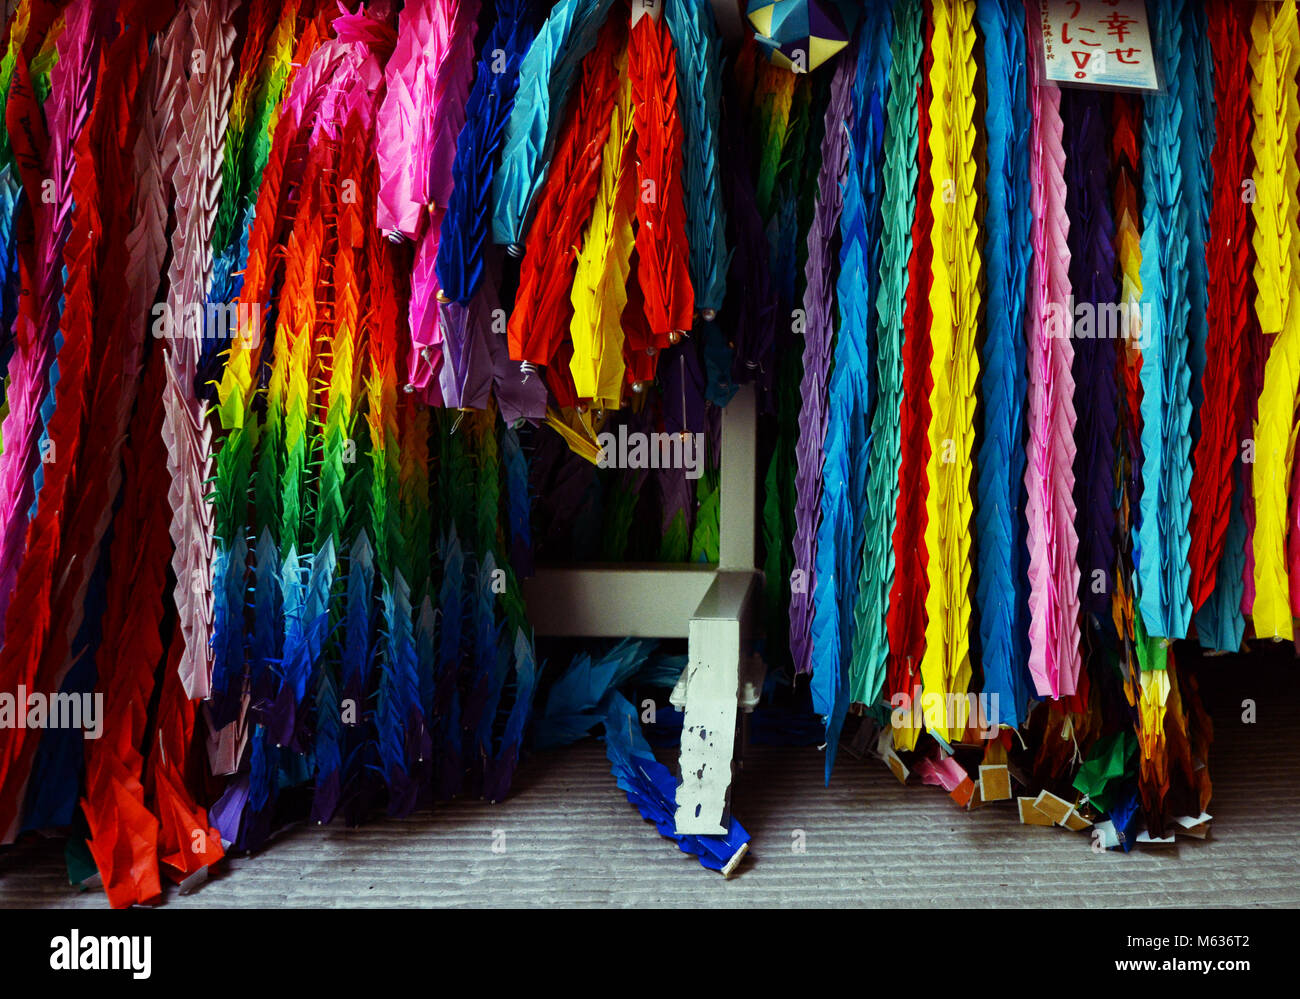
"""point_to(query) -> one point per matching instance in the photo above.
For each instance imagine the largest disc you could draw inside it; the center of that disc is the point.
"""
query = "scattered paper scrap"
(1031, 816)
(1057, 809)
(963, 793)
(995, 782)
(896, 766)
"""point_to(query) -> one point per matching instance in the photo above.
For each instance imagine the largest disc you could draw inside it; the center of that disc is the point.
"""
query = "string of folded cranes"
(318, 267)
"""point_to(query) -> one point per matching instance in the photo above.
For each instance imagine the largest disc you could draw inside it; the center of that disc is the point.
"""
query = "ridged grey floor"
(570, 838)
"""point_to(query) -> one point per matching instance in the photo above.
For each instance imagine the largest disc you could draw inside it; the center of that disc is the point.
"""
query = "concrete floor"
(571, 839)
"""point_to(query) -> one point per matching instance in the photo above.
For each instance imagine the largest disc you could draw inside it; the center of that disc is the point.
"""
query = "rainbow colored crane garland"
(363, 283)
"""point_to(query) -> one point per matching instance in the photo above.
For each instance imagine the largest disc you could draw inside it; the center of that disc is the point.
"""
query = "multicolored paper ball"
(799, 35)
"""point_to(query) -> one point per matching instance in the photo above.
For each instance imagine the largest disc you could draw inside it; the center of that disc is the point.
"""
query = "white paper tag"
(1106, 834)
(1096, 43)
(640, 8)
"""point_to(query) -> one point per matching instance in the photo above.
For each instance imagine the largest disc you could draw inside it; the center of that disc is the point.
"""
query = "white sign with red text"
(1103, 43)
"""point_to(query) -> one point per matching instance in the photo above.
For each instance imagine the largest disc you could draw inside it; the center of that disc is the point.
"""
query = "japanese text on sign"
(1103, 43)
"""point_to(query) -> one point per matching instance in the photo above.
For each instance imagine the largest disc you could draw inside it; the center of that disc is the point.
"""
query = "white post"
(712, 606)
(721, 636)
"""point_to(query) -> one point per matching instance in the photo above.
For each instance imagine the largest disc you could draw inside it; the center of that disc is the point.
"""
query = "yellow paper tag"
(995, 782)
(1031, 816)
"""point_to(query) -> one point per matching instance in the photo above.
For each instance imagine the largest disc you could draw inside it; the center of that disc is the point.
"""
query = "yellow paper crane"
(1274, 59)
(604, 263)
(954, 303)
